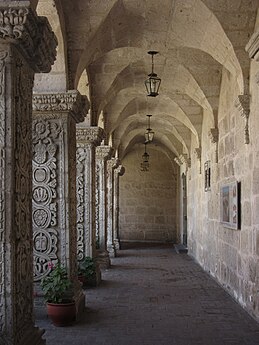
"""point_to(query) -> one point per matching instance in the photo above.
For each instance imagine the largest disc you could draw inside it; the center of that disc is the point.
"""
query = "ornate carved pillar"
(54, 182)
(87, 140)
(112, 164)
(27, 45)
(117, 173)
(103, 153)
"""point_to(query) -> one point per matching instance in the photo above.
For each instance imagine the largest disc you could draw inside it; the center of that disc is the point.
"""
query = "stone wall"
(148, 200)
(231, 256)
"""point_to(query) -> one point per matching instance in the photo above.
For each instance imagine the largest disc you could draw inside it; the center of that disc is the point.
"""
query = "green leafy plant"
(57, 287)
(87, 267)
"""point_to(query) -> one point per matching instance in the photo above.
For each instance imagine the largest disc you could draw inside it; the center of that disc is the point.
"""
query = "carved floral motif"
(44, 195)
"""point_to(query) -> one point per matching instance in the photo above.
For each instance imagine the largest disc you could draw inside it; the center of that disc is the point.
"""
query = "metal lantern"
(145, 156)
(153, 82)
(149, 135)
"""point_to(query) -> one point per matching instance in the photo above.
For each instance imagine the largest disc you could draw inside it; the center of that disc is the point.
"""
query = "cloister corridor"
(150, 296)
(122, 122)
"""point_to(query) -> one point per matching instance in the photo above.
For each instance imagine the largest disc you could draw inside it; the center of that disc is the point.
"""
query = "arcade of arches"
(73, 112)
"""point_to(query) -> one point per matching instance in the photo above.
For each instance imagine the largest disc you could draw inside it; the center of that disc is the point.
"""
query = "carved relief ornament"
(214, 135)
(104, 152)
(51, 104)
(19, 24)
(93, 135)
(243, 105)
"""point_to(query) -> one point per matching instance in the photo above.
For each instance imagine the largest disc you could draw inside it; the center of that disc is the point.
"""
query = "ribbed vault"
(106, 54)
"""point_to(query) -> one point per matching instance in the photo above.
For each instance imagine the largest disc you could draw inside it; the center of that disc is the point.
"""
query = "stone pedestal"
(87, 140)
(27, 45)
(54, 183)
(116, 238)
(112, 164)
(103, 153)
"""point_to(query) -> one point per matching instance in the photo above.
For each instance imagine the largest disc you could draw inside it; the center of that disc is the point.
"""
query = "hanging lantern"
(145, 156)
(153, 82)
(149, 135)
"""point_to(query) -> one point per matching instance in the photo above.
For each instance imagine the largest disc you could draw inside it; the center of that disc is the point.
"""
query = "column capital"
(104, 152)
(197, 152)
(113, 163)
(185, 160)
(21, 26)
(178, 161)
(242, 103)
(91, 135)
(54, 105)
(214, 135)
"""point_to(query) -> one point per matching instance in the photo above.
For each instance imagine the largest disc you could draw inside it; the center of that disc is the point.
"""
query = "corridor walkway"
(153, 296)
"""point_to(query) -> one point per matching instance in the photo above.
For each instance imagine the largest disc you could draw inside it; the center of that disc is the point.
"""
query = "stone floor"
(151, 296)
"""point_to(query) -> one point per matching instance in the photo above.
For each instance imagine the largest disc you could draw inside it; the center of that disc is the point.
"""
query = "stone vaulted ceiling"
(105, 42)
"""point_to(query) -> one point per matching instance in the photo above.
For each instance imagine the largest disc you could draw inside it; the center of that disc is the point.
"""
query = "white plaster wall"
(148, 200)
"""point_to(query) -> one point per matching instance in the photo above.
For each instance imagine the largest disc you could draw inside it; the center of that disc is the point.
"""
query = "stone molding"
(214, 135)
(252, 46)
(104, 152)
(20, 25)
(71, 101)
(91, 135)
(242, 103)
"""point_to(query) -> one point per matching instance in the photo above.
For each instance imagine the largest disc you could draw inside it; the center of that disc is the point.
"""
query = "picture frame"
(230, 205)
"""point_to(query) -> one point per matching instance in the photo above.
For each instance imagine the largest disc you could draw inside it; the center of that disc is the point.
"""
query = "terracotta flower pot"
(63, 314)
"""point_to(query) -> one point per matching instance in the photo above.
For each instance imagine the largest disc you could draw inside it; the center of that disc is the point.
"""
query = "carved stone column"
(27, 45)
(112, 164)
(103, 153)
(87, 140)
(117, 173)
(54, 182)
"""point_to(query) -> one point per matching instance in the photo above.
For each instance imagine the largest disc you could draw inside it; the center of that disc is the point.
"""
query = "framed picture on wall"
(229, 205)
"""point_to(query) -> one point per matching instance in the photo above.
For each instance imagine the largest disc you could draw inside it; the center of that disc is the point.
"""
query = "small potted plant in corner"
(57, 290)
(88, 272)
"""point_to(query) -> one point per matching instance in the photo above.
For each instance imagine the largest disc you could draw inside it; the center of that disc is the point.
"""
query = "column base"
(32, 336)
(117, 244)
(79, 298)
(111, 250)
(103, 259)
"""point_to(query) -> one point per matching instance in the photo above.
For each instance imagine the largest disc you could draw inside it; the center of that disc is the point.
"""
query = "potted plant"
(57, 290)
(87, 272)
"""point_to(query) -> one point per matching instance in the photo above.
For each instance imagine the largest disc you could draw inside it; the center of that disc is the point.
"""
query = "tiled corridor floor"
(153, 296)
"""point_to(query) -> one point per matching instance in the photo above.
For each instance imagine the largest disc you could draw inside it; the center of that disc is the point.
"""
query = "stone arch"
(57, 79)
